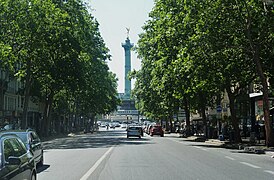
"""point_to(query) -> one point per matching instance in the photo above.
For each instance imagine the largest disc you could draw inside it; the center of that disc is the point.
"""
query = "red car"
(156, 130)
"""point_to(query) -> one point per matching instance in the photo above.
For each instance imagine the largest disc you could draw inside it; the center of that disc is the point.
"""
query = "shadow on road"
(101, 139)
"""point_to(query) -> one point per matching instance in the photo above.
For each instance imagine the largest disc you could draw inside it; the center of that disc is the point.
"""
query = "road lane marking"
(180, 142)
(231, 158)
(204, 149)
(94, 167)
(270, 172)
(250, 165)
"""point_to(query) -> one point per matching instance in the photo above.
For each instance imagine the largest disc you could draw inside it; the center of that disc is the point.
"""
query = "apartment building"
(12, 100)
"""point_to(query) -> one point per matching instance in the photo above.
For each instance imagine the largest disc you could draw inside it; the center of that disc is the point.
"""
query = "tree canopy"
(193, 50)
(56, 46)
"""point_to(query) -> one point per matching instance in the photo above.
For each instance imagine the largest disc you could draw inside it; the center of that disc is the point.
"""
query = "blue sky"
(114, 16)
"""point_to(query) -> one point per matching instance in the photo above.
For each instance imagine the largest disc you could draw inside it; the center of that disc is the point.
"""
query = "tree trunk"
(202, 105)
(92, 122)
(171, 123)
(75, 128)
(256, 57)
(167, 126)
(269, 139)
(47, 111)
(58, 124)
(269, 134)
(204, 121)
(234, 120)
(186, 108)
(24, 122)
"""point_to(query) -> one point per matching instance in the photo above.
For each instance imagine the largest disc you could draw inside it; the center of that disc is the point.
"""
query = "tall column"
(127, 46)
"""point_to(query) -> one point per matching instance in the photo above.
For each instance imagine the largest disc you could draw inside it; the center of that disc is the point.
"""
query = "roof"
(7, 134)
(16, 131)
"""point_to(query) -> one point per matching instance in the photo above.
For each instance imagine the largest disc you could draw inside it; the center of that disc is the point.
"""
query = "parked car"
(32, 143)
(16, 162)
(112, 125)
(141, 130)
(103, 124)
(134, 131)
(148, 127)
(156, 130)
(117, 124)
(123, 125)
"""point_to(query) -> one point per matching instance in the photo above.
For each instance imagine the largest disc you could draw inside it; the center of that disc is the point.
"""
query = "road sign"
(219, 108)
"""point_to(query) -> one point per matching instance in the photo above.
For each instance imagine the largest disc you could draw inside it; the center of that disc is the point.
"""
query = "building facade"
(12, 101)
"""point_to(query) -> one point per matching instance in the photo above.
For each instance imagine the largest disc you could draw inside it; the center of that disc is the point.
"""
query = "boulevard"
(108, 154)
(201, 68)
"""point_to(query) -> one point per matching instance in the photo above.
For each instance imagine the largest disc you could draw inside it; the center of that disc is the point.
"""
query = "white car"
(103, 125)
(123, 125)
(112, 125)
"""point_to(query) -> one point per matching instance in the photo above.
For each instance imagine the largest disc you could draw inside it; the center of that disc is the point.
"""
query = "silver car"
(134, 131)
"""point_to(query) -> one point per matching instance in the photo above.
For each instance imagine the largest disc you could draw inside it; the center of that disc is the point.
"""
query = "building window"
(11, 103)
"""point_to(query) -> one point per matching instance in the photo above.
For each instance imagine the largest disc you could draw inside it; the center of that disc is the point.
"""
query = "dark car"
(16, 162)
(32, 142)
(156, 130)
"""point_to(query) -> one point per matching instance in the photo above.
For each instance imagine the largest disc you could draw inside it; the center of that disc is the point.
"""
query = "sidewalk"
(244, 147)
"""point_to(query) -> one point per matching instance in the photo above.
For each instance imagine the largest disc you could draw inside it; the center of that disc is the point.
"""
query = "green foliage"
(192, 49)
(56, 49)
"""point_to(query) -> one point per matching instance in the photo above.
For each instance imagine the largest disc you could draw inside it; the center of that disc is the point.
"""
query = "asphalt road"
(109, 155)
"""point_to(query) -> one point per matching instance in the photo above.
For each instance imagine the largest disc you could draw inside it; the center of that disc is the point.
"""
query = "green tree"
(259, 34)
(195, 49)
(56, 44)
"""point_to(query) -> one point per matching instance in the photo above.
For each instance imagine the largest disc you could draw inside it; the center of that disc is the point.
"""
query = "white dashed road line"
(204, 149)
(98, 162)
(250, 165)
(270, 172)
(231, 158)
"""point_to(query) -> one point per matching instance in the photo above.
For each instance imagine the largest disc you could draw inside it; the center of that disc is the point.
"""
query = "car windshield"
(23, 137)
